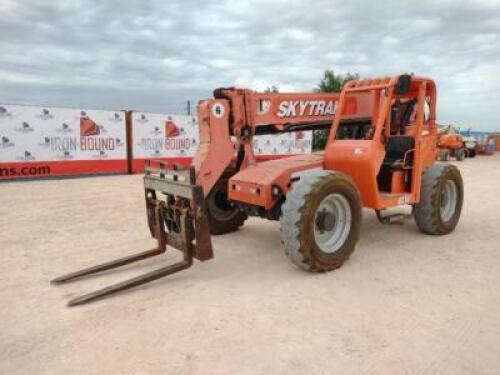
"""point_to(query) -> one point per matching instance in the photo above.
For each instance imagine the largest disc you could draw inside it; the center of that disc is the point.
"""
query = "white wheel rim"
(448, 200)
(331, 239)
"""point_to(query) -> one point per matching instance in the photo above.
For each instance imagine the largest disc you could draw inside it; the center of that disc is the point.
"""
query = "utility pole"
(189, 107)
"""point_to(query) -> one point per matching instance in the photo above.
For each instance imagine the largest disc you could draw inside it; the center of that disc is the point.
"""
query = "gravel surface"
(404, 303)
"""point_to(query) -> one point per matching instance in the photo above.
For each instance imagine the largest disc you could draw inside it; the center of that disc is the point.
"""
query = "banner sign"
(45, 141)
(162, 136)
(176, 137)
(299, 142)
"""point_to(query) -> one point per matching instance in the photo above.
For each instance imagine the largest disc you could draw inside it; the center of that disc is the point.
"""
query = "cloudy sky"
(155, 55)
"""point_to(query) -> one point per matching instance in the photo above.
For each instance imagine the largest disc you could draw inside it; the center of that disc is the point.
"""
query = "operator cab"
(395, 175)
(358, 129)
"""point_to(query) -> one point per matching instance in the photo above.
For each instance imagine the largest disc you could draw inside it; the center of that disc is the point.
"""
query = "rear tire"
(460, 154)
(441, 199)
(444, 155)
(223, 216)
(321, 220)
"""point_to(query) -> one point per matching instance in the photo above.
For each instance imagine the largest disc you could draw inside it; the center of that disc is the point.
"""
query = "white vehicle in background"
(471, 144)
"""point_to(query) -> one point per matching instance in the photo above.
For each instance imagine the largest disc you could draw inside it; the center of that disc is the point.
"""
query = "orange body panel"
(290, 109)
(450, 141)
(361, 160)
(398, 182)
(253, 185)
(216, 150)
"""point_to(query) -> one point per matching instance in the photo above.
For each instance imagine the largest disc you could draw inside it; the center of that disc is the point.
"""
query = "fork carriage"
(176, 215)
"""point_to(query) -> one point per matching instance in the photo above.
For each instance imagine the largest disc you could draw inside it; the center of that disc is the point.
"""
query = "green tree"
(330, 82)
(272, 89)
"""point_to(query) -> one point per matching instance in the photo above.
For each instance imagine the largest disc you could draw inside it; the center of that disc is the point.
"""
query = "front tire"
(321, 220)
(223, 216)
(441, 199)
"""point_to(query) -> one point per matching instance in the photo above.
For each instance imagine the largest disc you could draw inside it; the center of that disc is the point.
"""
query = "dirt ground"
(405, 303)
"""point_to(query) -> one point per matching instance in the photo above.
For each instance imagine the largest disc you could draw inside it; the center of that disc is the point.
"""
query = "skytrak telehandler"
(380, 154)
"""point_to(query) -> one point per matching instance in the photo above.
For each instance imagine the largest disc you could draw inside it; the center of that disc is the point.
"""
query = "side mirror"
(403, 85)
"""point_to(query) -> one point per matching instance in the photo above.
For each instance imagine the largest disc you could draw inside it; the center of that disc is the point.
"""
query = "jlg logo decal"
(290, 108)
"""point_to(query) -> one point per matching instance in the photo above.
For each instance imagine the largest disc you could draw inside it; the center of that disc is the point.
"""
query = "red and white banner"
(283, 144)
(46, 141)
(175, 138)
(164, 137)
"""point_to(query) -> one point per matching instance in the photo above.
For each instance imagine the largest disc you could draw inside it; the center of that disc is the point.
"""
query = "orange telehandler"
(380, 153)
(451, 143)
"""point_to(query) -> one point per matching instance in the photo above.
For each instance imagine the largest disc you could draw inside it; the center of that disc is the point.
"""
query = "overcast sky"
(154, 55)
